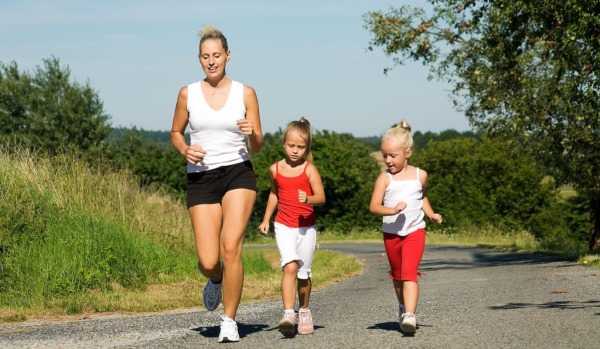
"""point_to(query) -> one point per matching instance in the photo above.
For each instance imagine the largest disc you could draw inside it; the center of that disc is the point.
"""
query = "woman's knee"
(208, 266)
(231, 253)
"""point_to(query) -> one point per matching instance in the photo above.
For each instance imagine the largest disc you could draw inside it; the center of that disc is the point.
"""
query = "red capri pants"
(404, 254)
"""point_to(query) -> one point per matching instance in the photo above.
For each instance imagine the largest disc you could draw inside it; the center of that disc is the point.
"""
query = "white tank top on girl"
(216, 131)
(411, 218)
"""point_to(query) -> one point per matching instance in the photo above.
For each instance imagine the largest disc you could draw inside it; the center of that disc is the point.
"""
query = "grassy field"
(78, 240)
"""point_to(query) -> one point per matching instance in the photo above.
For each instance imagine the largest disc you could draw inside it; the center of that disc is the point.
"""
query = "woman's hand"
(246, 127)
(194, 154)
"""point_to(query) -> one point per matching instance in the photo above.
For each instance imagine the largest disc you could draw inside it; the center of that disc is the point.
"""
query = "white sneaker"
(287, 325)
(211, 295)
(409, 324)
(400, 315)
(229, 331)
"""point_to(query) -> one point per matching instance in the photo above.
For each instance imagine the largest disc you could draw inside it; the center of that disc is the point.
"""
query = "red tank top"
(291, 212)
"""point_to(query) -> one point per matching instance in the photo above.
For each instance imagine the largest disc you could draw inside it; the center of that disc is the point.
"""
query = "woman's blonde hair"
(303, 127)
(401, 133)
(212, 33)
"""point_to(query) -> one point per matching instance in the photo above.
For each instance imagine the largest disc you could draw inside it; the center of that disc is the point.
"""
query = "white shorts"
(296, 244)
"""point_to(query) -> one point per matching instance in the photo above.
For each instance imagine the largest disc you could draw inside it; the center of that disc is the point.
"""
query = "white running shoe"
(409, 324)
(287, 324)
(229, 331)
(400, 315)
(211, 295)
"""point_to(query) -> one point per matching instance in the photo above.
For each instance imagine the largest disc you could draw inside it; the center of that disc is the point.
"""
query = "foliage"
(562, 224)
(66, 228)
(44, 109)
(154, 162)
(483, 182)
(421, 140)
(526, 71)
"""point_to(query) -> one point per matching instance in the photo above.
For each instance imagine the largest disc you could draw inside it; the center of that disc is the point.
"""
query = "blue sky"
(304, 58)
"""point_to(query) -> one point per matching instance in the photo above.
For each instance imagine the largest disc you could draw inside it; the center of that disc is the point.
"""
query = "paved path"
(470, 298)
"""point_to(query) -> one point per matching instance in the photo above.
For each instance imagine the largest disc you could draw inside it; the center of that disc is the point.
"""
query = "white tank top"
(216, 130)
(411, 218)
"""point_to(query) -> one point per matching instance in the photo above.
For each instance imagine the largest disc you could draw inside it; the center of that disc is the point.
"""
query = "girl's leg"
(393, 249)
(399, 290)
(286, 238)
(304, 289)
(206, 223)
(307, 239)
(410, 292)
(412, 250)
(288, 285)
(237, 205)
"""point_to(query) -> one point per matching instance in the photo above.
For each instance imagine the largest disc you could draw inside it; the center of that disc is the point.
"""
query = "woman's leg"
(206, 223)
(237, 206)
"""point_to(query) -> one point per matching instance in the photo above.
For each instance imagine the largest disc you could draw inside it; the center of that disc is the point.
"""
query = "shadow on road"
(243, 329)
(485, 259)
(549, 305)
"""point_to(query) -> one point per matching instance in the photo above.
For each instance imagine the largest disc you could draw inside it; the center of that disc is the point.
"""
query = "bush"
(484, 182)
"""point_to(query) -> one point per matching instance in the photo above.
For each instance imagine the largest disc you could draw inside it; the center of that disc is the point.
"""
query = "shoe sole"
(305, 333)
(286, 328)
(408, 329)
(227, 340)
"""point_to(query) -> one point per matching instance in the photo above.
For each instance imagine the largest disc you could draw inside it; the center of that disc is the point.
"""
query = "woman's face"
(213, 58)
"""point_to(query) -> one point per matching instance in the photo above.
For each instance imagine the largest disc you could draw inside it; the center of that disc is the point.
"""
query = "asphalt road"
(470, 298)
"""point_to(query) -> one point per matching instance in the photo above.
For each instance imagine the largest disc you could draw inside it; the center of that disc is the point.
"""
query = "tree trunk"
(595, 223)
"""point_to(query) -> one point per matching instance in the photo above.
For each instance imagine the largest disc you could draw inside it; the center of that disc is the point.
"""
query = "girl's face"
(395, 156)
(295, 146)
(213, 58)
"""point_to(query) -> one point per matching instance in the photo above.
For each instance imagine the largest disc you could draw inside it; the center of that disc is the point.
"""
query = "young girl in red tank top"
(296, 187)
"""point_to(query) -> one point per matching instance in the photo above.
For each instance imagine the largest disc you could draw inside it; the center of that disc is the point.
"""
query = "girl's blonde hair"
(401, 133)
(303, 127)
(212, 33)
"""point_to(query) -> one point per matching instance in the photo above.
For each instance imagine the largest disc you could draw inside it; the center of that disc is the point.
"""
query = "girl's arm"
(427, 209)
(316, 184)
(263, 228)
(376, 207)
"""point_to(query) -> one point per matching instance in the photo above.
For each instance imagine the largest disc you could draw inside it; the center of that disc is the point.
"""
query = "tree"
(484, 182)
(44, 109)
(527, 71)
(154, 162)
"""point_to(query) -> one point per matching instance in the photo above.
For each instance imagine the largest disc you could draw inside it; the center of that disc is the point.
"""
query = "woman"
(221, 191)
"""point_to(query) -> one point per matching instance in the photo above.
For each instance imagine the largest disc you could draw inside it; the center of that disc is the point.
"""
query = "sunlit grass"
(76, 240)
(79, 239)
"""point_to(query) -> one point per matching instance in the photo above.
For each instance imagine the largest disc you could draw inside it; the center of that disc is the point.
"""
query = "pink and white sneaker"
(305, 322)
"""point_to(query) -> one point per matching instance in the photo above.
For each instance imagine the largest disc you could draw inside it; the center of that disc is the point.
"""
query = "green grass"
(78, 239)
